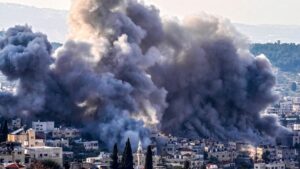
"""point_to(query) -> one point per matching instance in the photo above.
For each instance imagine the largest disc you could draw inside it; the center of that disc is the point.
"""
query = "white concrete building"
(211, 166)
(102, 161)
(295, 127)
(46, 153)
(91, 145)
(223, 156)
(296, 138)
(15, 124)
(259, 165)
(286, 107)
(58, 143)
(27, 139)
(275, 165)
(16, 155)
(296, 104)
(65, 133)
(44, 127)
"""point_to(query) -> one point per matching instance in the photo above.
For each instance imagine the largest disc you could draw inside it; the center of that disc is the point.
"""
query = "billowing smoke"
(124, 69)
(24, 56)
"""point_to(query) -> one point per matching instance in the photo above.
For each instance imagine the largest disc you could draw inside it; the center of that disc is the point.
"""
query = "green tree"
(4, 132)
(294, 86)
(186, 165)
(45, 164)
(213, 159)
(205, 154)
(285, 56)
(266, 156)
(49, 164)
(127, 158)
(114, 164)
(149, 160)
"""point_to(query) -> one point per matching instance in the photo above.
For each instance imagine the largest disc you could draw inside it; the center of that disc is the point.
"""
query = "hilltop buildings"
(67, 147)
(25, 138)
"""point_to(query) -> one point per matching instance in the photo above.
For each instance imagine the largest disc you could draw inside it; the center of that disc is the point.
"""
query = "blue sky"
(283, 12)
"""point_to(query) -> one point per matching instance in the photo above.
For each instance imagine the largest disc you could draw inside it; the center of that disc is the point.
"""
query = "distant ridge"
(54, 24)
(50, 21)
(270, 33)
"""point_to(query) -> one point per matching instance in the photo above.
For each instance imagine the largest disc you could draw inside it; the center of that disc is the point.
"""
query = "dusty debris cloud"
(124, 68)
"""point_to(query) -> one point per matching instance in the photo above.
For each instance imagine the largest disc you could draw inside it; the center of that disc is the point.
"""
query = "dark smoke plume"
(124, 68)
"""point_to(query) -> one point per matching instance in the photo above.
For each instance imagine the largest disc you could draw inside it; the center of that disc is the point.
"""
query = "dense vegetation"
(285, 56)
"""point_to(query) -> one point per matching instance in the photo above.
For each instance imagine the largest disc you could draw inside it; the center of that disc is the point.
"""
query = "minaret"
(140, 154)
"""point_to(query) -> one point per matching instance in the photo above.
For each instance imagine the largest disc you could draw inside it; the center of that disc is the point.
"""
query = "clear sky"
(285, 12)
(54, 4)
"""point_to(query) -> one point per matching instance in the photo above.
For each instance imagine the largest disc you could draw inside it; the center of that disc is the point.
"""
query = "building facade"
(46, 153)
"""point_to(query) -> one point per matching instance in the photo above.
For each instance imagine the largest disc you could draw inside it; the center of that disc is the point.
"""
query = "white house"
(277, 165)
(65, 133)
(91, 145)
(46, 153)
(45, 127)
(58, 143)
(102, 161)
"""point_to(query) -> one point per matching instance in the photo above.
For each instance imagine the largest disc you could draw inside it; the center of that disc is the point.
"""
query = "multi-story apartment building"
(46, 153)
(91, 145)
(44, 127)
(274, 165)
(67, 133)
(58, 143)
(27, 139)
(11, 153)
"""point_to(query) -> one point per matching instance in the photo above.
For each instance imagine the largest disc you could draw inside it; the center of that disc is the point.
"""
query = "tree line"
(285, 56)
(4, 131)
(127, 158)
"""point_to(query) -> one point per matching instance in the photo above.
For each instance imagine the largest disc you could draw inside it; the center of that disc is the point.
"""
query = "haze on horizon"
(257, 20)
(279, 12)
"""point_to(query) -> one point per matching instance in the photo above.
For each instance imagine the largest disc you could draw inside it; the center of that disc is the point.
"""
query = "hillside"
(284, 56)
